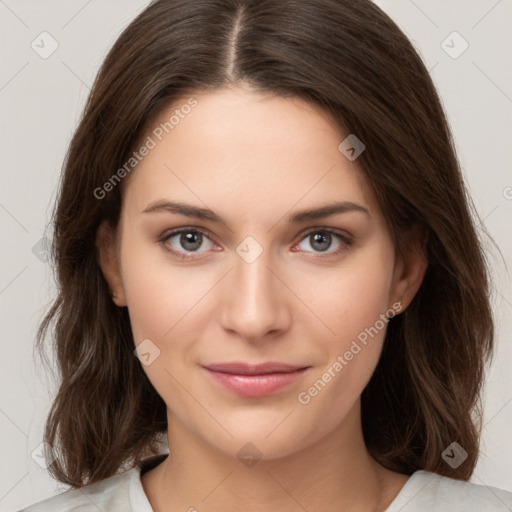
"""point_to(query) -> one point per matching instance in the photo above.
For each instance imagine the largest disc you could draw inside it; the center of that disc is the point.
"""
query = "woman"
(268, 264)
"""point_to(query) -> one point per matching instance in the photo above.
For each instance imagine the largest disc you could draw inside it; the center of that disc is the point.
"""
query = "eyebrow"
(189, 210)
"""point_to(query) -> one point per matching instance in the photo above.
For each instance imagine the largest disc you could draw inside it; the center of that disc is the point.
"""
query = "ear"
(108, 259)
(410, 266)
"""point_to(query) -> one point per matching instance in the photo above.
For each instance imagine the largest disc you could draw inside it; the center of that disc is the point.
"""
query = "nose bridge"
(252, 303)
(254, 279)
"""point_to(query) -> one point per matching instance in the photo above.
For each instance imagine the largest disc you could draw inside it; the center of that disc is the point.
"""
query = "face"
(242, 274)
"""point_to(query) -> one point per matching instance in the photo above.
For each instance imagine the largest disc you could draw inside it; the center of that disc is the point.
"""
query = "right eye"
(185, 242)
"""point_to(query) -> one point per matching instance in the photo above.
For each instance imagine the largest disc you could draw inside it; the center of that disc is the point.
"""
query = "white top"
(423, 492)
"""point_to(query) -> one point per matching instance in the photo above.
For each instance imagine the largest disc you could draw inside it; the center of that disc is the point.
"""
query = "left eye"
(321, 241)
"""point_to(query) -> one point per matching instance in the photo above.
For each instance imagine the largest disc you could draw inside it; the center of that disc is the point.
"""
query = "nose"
(254, 301)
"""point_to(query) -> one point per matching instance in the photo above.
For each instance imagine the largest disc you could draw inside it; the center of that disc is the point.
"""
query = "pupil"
(191, 241)
(323, 239)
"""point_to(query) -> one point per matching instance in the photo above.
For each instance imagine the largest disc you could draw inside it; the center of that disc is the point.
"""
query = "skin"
(255, 159)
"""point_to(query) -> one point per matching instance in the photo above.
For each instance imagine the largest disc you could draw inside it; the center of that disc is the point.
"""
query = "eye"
(321, 241)
(184, 242)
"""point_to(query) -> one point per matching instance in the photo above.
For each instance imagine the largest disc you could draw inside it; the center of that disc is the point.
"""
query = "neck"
(337, 469)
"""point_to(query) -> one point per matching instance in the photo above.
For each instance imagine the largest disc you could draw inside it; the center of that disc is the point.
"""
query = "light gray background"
(41, 100)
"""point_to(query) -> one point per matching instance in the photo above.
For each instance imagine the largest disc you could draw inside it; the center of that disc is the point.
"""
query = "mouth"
(255, 380)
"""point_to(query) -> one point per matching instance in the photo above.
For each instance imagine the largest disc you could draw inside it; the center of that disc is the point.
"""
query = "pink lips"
(254, 380)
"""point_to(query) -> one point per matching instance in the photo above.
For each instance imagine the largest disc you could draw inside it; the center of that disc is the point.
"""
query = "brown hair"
(350, 58)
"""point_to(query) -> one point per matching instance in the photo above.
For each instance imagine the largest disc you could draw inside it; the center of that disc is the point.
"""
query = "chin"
(265, 441)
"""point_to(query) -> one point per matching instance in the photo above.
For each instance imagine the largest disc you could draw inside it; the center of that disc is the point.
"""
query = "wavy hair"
(350, 58)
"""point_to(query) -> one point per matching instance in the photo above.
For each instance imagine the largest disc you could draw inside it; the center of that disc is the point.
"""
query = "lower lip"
(256, 385)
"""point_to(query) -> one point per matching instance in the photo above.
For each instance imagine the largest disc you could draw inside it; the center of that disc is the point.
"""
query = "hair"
(351, 59)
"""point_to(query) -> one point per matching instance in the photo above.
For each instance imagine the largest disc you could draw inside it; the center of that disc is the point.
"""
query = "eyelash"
(345, 240)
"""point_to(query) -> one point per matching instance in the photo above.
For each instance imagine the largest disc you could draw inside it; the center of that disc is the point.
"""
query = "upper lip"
(238, 368)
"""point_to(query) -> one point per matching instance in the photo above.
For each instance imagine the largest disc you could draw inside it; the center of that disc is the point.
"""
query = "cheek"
(350, 298)
(160, 295)
(353, 306)
(165, 307)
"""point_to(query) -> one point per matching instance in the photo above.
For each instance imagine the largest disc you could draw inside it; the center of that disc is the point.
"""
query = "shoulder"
(426, 491)
(113, 494)
(119, 493)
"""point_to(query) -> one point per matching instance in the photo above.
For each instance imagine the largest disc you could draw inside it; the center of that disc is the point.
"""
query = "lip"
(255, 380)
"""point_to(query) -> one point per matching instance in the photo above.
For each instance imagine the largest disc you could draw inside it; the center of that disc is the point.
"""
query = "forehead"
(246, 149)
